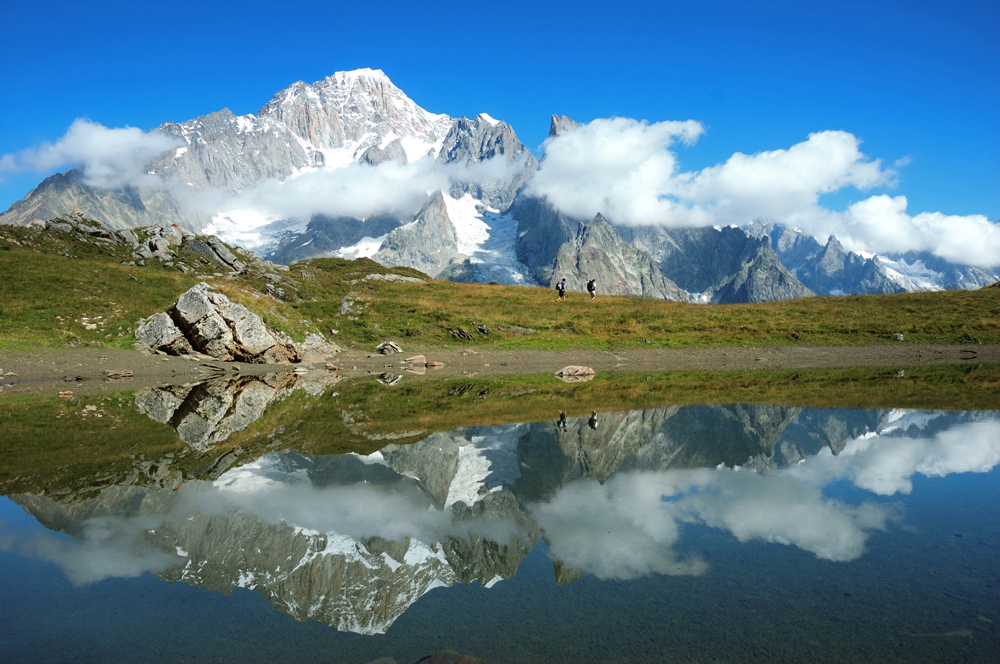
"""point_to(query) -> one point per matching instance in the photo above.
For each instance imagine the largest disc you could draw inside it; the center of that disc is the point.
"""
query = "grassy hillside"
(55, 291)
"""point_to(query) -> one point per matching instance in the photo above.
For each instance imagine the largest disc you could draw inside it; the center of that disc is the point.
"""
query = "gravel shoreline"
(81, 370)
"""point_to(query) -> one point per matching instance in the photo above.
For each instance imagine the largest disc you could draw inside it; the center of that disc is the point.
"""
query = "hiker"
(562, 420)
(561, 289)
(592, 289)
(593, 419)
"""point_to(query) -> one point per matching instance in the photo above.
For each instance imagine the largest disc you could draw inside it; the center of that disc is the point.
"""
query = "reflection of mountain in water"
(353, 541)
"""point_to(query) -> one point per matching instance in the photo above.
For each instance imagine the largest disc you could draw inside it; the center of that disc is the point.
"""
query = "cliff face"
(598, 252)
(428, 243)
(722, 266)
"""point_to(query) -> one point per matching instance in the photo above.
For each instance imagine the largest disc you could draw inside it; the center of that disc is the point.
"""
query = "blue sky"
(911, 79)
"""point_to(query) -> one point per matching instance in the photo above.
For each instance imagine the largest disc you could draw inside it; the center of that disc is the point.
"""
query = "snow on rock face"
(486, 464)
(471, 230)
(344, 114)
(364, 248)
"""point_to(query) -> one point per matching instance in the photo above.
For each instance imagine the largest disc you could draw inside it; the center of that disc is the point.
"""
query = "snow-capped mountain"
(465, 215)
(356, 117)
(831, 270)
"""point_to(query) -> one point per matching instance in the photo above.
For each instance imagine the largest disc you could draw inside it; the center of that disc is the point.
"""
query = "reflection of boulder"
(210, 412)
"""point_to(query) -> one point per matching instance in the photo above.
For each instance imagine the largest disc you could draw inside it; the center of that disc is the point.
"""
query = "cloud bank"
(622, 168)
(357, 190)
(627, 171)
(108, 158)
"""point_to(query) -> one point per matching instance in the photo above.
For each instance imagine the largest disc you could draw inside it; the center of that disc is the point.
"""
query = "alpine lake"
(812, 516)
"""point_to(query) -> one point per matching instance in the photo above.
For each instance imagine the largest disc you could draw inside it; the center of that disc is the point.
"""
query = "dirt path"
(80, 370)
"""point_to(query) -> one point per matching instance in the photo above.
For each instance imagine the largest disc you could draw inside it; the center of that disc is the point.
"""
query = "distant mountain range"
(479, 226)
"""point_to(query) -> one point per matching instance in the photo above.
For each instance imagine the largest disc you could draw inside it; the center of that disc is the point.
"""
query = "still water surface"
(739, 533)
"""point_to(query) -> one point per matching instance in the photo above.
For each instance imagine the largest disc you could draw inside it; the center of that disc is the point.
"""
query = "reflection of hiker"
(562, 420)
(593, 419)
(592, 289)
(561, 289)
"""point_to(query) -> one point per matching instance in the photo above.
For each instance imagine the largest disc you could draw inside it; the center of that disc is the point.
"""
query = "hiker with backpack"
(561, 289)
(592, 289)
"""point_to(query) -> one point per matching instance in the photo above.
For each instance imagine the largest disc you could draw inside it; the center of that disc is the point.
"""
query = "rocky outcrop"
(599, 252)
(208, 322)
(560, 124)
(428, 243)
(375, 155)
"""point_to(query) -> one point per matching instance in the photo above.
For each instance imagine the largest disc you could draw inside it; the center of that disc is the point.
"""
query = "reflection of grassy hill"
(49, 282)
(61, 446)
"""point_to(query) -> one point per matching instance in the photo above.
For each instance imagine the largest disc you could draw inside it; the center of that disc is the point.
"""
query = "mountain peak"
(560, 125)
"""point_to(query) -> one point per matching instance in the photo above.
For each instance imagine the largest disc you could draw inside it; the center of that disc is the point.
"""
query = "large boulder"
(208, 322)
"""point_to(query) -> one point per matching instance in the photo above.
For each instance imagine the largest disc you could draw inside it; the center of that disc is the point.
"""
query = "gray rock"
(316, 349)
(127, 237)
(161, 403)
(52, 225)
(561, 124)
(158, 244)
(375, 155)
(388, 347)
(202, 324)
(222, 251)
(160, 333)
(208, 322)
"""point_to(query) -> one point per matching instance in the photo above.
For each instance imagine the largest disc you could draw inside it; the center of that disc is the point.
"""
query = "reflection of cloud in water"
(619, 530)
(393, 511)
(884, 464)
(636, 519)
(627, 527)
(105, 547)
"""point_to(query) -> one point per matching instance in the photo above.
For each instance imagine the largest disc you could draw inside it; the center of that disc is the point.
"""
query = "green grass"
(58, 446)
(44, 297)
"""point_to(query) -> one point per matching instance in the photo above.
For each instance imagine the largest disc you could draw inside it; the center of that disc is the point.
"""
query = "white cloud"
(356, 190)
(109, 158)
(619, 167)
(627, 171)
